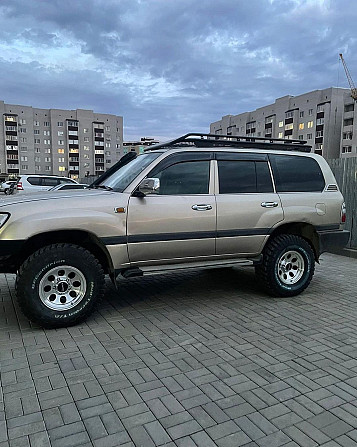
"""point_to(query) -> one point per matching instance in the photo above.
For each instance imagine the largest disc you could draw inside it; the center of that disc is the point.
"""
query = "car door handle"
(201, 207)
(269, 204)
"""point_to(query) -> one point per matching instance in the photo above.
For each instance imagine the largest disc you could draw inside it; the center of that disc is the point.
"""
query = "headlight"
(3, 218)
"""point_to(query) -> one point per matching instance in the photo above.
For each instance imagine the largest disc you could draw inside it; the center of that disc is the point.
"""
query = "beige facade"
(72, 143)
(315, 117)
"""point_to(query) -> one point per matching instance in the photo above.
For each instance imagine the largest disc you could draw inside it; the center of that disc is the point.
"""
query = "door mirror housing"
(148, 186)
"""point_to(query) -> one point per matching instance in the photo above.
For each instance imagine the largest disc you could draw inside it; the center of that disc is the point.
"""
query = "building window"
(347, 135)
(61, 168)
(86, 148)
(309, 136)
(46, 141)
(23, 140)
(86, 156)
(24, 167)
(48, 159)
(11, 128)
(37, 158)
(47, 150)
(281, 123)
(36, 123)
(85, 130)
(23, 148)
(86, 139)
(301, 114)
(60, 142)
(107, 128)
(349, 107)
(348, 122)
(37, 168)
(320, 108)
(73, 123)
(289, 114)
(37, 141)
(60, 123)
(46, 133)
(301, 126)
(60, 133)
(289, 126)
(310, 124)
(37, 150)
(61, 151)
(47, 168)
(320, 121)
(22, 121)
(107, 144)
(310, 112)
(36, 132)
(280, 135)
(22, 129)
(61, 160)
(301, 137)
(346, 149)
(319, 133)
(23, 158)
(46, 124)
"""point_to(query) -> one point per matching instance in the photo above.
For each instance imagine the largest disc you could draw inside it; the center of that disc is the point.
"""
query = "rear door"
(247, 205)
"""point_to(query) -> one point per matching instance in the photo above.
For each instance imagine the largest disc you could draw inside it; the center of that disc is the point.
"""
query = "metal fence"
(345, 171)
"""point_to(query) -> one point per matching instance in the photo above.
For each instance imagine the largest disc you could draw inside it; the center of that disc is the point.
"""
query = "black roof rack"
(211, 140)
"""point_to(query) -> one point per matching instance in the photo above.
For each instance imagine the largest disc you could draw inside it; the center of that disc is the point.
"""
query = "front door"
(178, 223)
(247, 206)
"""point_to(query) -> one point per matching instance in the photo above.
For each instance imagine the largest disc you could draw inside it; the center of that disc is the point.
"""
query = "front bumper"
(333, 240)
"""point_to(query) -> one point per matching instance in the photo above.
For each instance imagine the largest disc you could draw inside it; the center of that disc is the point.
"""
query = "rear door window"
(50, 181)
(35, 181)
(239, 177)
(293, 173)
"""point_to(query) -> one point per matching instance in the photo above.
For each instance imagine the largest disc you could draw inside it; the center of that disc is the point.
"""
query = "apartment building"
(349, 129)
(314, 116)
(72, 143)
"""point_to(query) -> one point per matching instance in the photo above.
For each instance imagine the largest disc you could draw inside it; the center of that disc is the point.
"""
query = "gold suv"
(198, 201)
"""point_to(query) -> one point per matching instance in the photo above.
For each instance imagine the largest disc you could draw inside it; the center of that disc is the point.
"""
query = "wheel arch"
(302, 229)
(87, 240)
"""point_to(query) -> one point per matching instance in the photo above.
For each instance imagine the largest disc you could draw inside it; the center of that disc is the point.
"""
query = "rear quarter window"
(294, 173)
(35, 181)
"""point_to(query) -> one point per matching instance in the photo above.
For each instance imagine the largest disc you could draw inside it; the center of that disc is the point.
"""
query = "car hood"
(48, 195)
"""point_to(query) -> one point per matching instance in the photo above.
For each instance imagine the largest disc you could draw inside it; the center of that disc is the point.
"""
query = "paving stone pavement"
(202, 359)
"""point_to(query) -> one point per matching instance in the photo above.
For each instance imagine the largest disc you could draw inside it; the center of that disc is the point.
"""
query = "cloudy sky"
(171, 66)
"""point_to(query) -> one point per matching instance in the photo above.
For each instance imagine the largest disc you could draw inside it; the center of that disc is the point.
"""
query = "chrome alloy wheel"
(62, 288)
(290, 267)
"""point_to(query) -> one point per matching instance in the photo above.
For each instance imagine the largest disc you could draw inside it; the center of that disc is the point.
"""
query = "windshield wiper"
(107, 188)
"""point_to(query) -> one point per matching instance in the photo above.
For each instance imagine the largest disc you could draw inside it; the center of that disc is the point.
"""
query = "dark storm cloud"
(173, 66)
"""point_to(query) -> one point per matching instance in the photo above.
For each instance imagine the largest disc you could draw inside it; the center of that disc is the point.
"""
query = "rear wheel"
(59, 285)
(288, 265)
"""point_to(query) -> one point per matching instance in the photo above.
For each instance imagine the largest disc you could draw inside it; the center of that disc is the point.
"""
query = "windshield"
(120, 179)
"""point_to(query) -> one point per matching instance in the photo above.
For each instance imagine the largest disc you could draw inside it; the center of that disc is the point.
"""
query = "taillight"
(19, 186)
(343, 213)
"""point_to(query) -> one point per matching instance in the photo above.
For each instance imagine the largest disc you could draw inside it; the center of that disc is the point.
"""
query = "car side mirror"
(148, 186)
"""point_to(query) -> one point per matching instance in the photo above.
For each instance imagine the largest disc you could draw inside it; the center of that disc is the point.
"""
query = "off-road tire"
(45, 260)
(268, 271)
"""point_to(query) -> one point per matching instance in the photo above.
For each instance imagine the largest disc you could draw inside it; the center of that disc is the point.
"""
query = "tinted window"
(244, 177)
(50, 181)
(65, 180)
(34, 181)
(297, 174)
(185, 178)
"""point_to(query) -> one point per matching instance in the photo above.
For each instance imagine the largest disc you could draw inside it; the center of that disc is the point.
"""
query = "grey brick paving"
(201, 359)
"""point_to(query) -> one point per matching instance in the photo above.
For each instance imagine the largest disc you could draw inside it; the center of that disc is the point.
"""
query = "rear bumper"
(333, 240)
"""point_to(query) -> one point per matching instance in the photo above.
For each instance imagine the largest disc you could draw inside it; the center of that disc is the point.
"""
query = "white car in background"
(37, 182)
(6, 186)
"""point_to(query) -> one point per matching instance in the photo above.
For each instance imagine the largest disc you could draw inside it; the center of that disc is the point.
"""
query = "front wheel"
(288, 265)
(59, 285)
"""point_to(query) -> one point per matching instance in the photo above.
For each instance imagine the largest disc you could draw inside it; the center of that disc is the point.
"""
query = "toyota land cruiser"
(198, 201)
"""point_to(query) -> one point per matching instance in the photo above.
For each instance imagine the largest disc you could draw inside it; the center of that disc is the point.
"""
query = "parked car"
(7, 186)
(36, 182)
(198, 201)
(67, 186)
